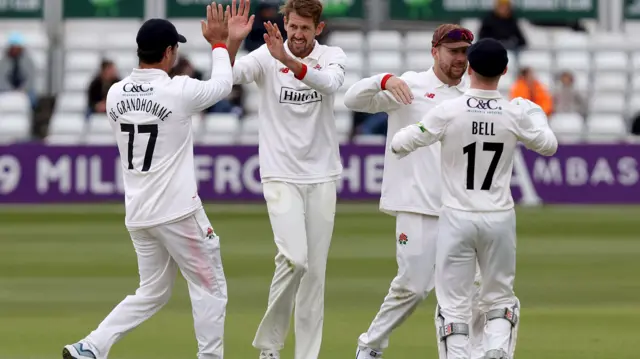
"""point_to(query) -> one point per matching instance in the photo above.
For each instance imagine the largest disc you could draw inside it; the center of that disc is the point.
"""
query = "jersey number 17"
(152, 130)
(470, 151)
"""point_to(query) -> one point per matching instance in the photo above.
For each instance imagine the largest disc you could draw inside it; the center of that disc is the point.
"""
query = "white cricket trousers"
(489, 238)
(302, 217)
(416, 237)
(188, 244)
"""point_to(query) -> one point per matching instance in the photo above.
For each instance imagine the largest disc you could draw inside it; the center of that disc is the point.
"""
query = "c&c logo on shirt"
(299, 97)
(137, 88)
(483, 104)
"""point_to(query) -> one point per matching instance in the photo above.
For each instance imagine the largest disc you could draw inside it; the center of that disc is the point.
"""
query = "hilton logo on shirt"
(299, 97)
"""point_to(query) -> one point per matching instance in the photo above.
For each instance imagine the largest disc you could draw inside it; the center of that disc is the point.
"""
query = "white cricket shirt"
(297, 136)
(479, 133)
(150, 114)
(413, 183)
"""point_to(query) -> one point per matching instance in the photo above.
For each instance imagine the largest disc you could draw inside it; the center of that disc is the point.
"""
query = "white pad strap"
(442, 345)
(496, 354)
(446, 330)
(512, 315)
(370, 352)
(453, 328)
(505, 313)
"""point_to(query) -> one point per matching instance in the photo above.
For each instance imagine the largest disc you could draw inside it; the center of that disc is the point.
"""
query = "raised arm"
(533, 128)
(327, 80)
(199, 95)
(369, 95)
(425, 133)
(249, 68)
(239, 24)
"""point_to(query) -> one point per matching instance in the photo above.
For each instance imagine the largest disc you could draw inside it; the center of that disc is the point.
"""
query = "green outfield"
(63, 268)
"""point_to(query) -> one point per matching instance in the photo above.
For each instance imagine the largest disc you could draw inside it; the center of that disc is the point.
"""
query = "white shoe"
(79, 350)
(269, 354)
(368, 353)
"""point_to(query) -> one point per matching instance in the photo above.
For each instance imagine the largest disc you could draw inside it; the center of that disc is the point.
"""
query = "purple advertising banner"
(34, 173)
(581, 174)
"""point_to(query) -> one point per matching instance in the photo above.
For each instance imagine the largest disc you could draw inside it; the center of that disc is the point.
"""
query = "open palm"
(215, 29)
(275, 43)
(240, 23)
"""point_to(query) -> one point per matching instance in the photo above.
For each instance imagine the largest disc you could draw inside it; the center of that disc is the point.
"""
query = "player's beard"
(301, 48)
(454, 71)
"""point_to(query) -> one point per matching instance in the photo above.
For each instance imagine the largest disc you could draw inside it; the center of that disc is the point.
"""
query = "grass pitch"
(63, 268)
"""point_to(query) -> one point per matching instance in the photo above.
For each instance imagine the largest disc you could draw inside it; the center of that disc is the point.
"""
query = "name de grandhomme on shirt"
(137, 104)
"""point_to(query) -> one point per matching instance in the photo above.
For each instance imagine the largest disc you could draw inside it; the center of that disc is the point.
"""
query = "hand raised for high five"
(240, 23)
(275, 43)
(216, 29)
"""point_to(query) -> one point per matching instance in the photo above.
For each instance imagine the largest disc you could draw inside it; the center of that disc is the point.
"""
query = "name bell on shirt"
(481, 127)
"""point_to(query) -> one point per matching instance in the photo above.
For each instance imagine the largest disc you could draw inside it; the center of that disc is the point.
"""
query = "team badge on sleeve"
(402, 239)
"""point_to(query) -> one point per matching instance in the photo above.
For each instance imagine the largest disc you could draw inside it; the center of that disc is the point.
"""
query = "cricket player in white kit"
(411, 187)
(478, 133)
(150, 114)
(299, 166)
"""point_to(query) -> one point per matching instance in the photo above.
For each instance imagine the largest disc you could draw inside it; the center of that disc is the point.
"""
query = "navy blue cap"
(488, 57)
(157, 35)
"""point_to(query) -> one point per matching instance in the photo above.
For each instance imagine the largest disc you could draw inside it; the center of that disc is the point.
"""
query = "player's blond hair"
(304, 8)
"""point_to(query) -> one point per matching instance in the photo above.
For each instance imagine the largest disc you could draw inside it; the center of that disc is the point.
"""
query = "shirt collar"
(462, 86)
(147, 74)
(314, 55)
(493, 94)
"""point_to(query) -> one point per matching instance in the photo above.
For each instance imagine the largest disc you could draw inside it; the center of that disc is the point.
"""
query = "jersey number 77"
(152, 130)
(470, 151)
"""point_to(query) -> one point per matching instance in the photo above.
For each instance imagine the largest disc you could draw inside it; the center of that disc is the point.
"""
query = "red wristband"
(219, 45)
(383, 84)
(302, 73)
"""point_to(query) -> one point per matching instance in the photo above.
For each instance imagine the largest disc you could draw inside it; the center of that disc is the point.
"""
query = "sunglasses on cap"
(456, 35)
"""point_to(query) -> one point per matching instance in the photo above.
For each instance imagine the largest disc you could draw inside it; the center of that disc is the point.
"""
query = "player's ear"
(319, 28)
(175, 55)
(505, 70)
(469, 70)
(433, 52)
